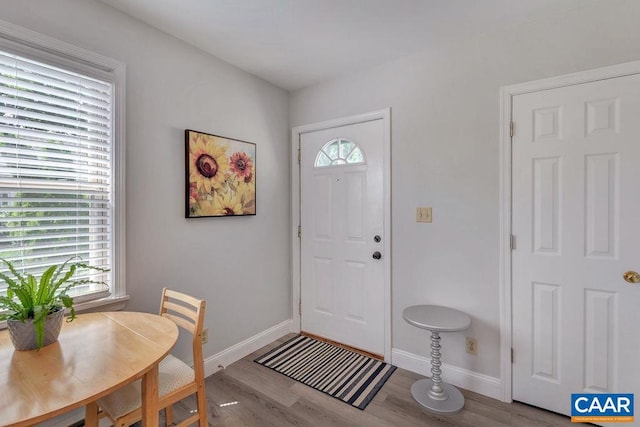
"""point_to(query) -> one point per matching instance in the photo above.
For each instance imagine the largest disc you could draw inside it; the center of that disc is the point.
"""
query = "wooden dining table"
(95, 354)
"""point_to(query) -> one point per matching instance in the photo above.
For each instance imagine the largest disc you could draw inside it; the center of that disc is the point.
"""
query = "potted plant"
(35, 307)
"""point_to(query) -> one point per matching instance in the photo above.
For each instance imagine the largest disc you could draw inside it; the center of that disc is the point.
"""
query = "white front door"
(342, 282)
(576, 222)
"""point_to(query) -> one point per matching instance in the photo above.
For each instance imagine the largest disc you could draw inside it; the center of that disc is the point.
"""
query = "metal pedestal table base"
(433, 394)
(449, 402)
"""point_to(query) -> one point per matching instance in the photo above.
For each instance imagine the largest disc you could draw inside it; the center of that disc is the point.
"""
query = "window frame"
(339, 161)
(39, 47)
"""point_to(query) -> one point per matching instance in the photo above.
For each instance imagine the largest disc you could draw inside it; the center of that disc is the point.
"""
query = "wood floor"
(247, 394)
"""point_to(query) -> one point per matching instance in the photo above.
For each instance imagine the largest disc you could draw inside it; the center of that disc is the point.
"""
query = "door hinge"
(511, 129)
(512, 242)
(512, 358)
(299, 155)
(299, 232)
(300, 306)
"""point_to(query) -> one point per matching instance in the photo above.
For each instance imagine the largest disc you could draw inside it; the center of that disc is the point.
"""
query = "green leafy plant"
(30, 298)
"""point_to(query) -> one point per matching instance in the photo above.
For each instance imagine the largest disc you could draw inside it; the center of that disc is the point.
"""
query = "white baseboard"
(460, 377)
(236, 352)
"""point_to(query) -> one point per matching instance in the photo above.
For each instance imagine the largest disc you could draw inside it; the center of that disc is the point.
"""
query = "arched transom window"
(339, 151)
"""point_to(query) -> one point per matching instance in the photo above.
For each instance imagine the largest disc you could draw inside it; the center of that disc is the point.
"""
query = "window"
(339, 152)
(59, 184)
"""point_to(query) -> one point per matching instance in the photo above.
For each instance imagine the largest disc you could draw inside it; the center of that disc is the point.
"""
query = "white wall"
(239, 265)
(445, 121)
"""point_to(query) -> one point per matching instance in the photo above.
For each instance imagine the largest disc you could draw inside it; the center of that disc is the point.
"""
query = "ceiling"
(296, 43)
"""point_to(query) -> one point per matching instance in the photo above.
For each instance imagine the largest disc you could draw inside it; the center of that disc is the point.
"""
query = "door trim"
(296, 132)
(505, 274)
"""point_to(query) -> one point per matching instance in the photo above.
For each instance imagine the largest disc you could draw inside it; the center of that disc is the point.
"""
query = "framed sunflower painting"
(220, 176)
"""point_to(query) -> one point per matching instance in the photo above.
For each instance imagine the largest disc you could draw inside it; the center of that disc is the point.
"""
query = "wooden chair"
(176, 380)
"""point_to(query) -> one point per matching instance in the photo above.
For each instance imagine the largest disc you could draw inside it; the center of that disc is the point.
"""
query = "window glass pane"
(356, 156)
(55, 168)
(332, 150)
(345, 148)
(322, 160)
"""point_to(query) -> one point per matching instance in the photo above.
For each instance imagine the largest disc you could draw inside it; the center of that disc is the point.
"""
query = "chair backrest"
(188, 313)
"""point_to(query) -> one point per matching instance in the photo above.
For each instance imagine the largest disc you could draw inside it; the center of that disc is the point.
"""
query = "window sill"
(102, 304)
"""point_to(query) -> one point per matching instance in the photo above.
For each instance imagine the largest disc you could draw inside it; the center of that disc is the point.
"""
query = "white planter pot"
(23, 334)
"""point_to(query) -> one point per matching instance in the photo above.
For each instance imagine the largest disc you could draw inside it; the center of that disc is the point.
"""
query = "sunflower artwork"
(220, 176)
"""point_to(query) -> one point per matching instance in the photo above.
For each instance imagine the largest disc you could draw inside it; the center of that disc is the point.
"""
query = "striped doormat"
(343, 374)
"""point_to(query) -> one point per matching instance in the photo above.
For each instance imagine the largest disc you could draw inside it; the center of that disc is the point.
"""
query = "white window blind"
(55, 168)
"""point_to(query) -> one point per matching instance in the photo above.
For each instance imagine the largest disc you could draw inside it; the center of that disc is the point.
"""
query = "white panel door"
(342, 285)
(576, 221)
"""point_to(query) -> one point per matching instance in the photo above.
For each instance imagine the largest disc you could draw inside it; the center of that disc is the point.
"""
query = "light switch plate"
(423, 214)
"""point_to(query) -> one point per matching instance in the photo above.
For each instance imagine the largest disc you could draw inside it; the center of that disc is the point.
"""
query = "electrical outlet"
(472, 346)
(423, 214)
(205, 335)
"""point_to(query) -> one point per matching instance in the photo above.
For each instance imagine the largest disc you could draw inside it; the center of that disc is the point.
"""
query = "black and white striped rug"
(343, 374)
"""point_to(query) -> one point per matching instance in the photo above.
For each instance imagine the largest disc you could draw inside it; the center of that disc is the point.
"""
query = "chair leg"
(168, 415)
(201, 396)
(91, 415)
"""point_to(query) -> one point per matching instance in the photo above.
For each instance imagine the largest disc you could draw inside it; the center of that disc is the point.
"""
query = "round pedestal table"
(432, 393)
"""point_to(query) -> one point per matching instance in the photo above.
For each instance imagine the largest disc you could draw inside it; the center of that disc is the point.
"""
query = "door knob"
(377, 255)
(631, 276)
